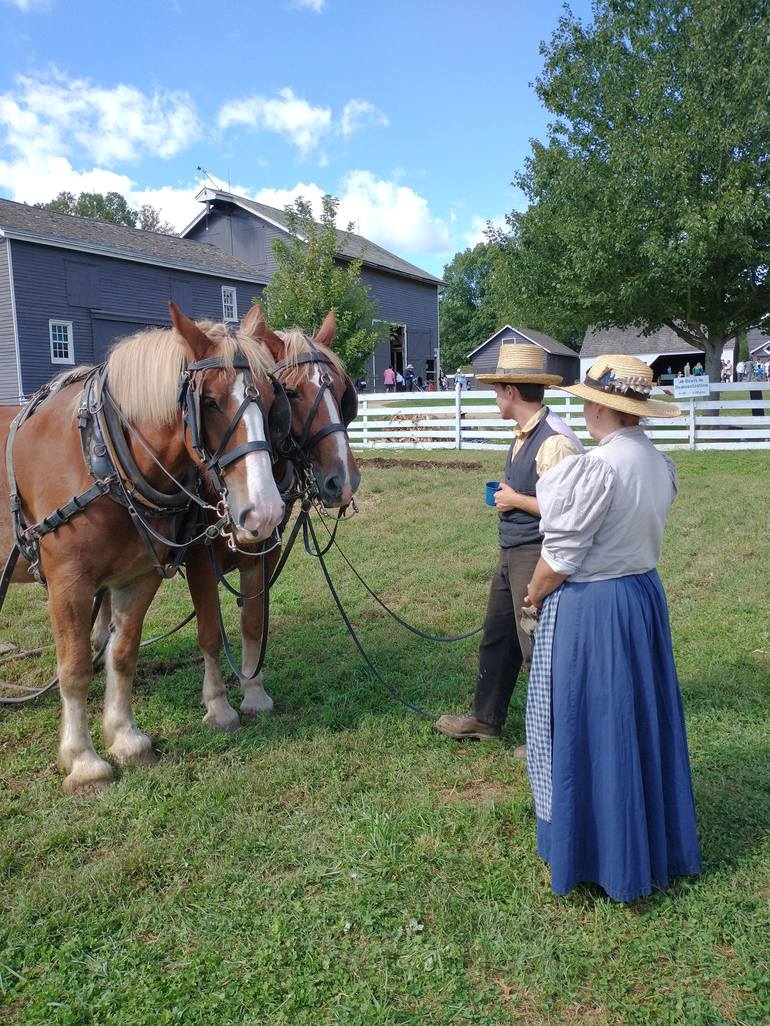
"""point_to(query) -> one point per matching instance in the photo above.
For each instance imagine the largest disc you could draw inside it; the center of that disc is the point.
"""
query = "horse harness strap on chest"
(109, 461)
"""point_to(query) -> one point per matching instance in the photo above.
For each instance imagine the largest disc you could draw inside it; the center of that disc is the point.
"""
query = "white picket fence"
(457, 420)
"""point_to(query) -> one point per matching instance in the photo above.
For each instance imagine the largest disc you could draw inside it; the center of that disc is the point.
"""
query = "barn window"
(62, 349)
(229, 303)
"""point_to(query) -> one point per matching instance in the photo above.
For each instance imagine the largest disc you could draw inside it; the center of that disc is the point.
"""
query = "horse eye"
(291, 393)
(209, 403)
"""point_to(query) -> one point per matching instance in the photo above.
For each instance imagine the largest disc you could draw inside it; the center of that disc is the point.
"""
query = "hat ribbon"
(520, 370)
(630, 388)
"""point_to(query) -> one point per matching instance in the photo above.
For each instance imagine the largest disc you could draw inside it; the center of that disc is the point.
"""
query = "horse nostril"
(246, 514)
(333, 486)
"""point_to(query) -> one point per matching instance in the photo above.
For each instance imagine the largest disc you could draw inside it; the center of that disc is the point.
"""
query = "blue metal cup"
(492, 487)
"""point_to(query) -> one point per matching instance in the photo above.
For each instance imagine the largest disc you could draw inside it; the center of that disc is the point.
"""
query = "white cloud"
(478, 227)
(387, 212)
(392, 214)
(303, 124)
(52, 125)
(311, 5)
(357, 113)
(30, 5)
(289, 115)
(60, 116)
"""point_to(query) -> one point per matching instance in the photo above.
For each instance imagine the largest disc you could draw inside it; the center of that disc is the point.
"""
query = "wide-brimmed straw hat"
(623, 383)
(520, 363)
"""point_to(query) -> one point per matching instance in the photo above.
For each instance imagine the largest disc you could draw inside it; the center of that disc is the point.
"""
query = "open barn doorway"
(397, 335)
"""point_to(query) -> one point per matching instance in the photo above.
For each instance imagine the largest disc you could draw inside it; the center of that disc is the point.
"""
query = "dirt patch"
(380, 463)
(476, 791)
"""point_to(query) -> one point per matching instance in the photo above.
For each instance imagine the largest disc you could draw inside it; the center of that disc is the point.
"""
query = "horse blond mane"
(296, 343)
(144, 369)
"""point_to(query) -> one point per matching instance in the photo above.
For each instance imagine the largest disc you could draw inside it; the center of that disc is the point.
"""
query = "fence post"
(458, 416)
(365, 417)
(692, 424)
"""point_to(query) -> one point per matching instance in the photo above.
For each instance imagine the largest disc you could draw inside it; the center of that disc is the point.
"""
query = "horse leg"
(100, 632)
(256, 700)
(70, 612)
(127, 744)
(220, 715)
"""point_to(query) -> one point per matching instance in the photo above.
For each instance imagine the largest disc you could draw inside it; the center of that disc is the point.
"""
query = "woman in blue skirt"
(606, 743)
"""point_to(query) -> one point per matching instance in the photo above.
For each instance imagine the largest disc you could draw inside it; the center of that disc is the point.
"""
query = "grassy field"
(341, 862)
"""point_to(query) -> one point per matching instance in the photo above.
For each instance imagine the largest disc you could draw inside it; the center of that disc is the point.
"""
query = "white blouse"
(603, 514)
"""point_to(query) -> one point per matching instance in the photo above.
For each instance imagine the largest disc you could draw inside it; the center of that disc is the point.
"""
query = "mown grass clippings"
(342, 863)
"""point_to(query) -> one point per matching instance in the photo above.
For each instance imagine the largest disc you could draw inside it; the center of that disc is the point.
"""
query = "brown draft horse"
(101, 546)
(337, 478)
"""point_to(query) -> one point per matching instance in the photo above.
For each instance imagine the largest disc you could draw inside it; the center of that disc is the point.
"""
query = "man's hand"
(506, 499)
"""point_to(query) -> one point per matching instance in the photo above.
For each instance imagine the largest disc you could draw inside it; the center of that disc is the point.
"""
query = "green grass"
(341, 863)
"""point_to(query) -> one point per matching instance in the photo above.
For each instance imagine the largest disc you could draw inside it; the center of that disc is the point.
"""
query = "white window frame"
(57, 322)
(234, 293)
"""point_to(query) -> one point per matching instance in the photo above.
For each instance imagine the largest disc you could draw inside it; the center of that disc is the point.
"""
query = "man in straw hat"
(606, 743)
(541, 441)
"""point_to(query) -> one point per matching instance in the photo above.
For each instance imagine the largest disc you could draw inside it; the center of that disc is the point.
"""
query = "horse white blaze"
(339, 437)
(262, 494)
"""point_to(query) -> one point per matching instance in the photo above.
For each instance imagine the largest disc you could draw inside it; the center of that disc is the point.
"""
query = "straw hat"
(623, 383)
(520, 363)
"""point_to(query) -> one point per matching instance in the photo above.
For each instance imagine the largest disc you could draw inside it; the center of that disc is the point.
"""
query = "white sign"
(692, 387)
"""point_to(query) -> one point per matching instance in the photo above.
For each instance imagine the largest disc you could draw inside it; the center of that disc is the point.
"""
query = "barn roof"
(631, 342)
(32, 224)
(539, 338)
(349, 244)
(758, 342)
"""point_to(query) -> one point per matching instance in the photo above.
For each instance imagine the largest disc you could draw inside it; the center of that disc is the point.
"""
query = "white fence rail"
(732, 417)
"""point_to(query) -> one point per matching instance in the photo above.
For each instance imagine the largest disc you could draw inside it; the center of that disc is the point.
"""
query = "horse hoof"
(132, 748)
(226, 719)
(258, 703)
(88, 777)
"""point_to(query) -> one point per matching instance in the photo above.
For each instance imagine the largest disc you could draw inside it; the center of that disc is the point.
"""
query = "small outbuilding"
(559, 359)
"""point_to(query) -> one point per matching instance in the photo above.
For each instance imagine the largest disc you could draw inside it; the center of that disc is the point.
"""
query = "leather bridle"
(277, 425)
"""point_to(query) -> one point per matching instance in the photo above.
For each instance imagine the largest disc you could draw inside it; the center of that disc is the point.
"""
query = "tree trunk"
(713, 358)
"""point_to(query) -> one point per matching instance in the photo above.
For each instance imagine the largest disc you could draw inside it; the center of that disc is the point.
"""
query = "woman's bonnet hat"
(520, 363)
(623, 383)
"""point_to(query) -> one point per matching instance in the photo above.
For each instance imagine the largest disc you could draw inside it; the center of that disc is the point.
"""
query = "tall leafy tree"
(650, 200)
(466, 313)
(110, 207)
(311, 280)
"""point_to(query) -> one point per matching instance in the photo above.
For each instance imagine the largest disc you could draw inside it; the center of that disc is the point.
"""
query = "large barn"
(69, 286)
(406, 296)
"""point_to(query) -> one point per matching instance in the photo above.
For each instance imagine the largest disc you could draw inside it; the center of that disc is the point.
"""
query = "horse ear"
(328, 330)
(254, 325)
(195, 342)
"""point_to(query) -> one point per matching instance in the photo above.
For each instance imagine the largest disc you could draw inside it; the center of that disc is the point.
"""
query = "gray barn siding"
(126, 296)
(9, 374)
(399, 299)
(241, 234)
(407, 301)
(485, 361)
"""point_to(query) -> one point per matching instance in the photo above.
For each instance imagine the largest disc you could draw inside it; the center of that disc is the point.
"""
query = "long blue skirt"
(623, 814)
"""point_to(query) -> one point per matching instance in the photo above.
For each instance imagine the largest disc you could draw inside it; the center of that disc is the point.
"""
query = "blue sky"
(417, 115)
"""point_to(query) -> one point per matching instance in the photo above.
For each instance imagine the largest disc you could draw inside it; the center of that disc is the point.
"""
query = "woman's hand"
(544, 581)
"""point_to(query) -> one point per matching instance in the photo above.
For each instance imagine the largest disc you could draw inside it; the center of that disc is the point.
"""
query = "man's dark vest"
(518, 527)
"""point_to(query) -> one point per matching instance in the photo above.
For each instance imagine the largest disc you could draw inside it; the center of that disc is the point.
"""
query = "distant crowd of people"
(753, 370)
(394, 381)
